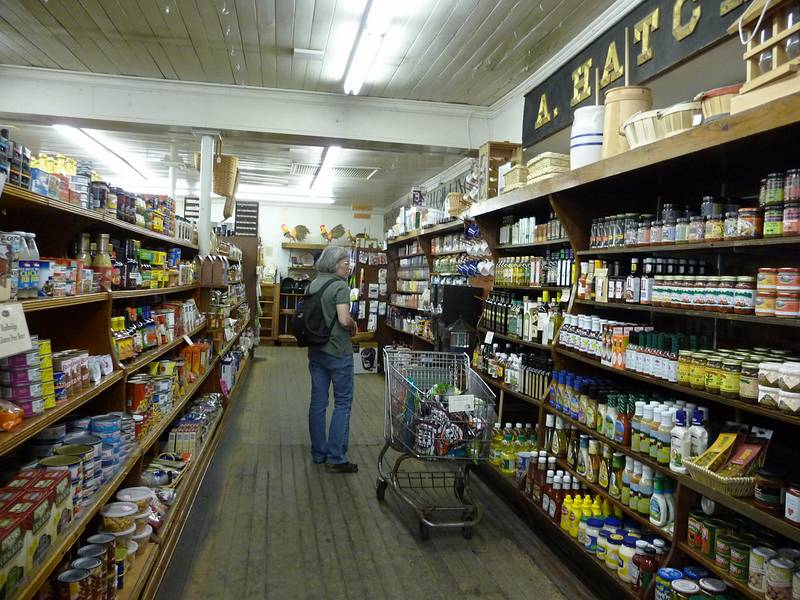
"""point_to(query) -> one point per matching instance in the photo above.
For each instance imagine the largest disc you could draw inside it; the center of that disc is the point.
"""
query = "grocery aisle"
(267, 522)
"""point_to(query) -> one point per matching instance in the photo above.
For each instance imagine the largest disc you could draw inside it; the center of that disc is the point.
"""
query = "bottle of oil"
(508, 465)
(495, 446)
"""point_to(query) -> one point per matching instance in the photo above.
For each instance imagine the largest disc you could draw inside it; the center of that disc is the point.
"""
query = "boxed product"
(57, 484)
(43, 531)
(12, 554)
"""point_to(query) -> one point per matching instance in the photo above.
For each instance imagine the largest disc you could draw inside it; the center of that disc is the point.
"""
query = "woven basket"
(517, 177)
(226, 168)
(230, 201)
(739, 487)
(457, 202)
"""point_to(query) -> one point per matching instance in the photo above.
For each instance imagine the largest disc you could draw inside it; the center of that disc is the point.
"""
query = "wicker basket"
(457, 202)
(739, 487)
(516, 177)
(225, 169)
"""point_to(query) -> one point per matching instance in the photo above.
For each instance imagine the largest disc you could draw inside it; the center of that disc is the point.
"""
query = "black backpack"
(308, 324)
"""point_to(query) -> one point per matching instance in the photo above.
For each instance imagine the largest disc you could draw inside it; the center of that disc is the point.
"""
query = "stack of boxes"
(27, 378)
(193, 429)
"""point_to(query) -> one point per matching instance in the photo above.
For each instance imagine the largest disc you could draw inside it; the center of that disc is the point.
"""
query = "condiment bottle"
(646, 565)
(559, 447)
(583, 455)
(573, 448)
(698, 434)
(604, 474)
(546, 491)
(646, 490)
(635, 425)
(556, 497)
(593, 466)
(566, 507)
(627, 475)
(644, 433)
(633, 502)
(680, 443)
(655, 424)
(659, 510)
(622, 426)
(665, 437)
(539, 479)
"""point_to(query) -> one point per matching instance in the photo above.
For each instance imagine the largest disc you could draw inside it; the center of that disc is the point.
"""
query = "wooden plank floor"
(268, 523)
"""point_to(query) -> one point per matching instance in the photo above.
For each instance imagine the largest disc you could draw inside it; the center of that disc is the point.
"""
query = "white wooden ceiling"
(464, 51)
(261, 163)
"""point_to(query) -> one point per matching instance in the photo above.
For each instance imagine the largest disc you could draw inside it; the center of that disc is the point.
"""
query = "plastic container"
(122, 536)
(789, 402)
(140, 496)
(141, 520)
(144, 537)
(118, 516)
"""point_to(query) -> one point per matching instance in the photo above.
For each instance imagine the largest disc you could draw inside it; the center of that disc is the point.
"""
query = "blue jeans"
(324, 369)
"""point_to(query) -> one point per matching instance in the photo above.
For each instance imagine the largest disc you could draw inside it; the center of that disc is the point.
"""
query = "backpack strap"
(321, 291)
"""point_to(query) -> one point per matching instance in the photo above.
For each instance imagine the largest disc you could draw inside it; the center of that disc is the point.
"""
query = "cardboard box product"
(12, 554)
(42, 524)
(365, 358)
(57, 484)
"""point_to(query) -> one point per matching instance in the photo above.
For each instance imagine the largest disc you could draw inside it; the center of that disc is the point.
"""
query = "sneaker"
(347, 467)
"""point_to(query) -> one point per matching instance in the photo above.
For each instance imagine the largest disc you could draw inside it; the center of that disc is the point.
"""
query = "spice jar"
(730, 379)
(656, 228)
(765, 304)
(668, 231)
(769, 490)
(631, 229)
(788, 280)
(697, 371)
(767, 280)
(731, 228)
(748, 382)
(681, 230)
(791, 218)
(745, 296)
(715, 228)
(791, 183)
(697, 230)
(726, 298)
(710, 207)
(773, 220)
(751, 223)
(713, 374)
(643, 233)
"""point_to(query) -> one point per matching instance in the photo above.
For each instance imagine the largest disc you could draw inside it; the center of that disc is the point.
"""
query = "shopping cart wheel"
(380, 489)
(424, 531)
(460, 488)
(466, 532)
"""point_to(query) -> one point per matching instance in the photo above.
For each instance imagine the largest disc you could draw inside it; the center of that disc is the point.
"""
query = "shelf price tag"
(489, 337)
(14, 335)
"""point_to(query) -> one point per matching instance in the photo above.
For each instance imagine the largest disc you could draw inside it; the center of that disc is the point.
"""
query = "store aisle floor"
(268, 523)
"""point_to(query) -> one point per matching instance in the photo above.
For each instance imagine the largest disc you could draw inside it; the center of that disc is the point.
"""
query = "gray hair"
(330, 257)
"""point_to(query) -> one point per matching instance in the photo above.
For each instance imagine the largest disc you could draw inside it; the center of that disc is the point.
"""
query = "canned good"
(759, 557)
(684, 589)
(97, 574)
(779, 578)
(712, 587)
(664, 578)
(711, 529)
(74, 584)
(722, 550)
(738, 571)
(695, 529)
(740, 553)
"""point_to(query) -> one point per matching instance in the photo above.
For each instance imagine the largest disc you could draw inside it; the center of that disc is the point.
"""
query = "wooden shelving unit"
(270, 299)
(728, 157)
(83, 322)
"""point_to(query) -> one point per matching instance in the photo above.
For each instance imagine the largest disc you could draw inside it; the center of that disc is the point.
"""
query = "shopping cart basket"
(437, 410)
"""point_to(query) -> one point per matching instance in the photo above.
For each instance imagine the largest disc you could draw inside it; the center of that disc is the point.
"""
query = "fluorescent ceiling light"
(100, 151)
(308, 53)
(369, 42)
(322, 180)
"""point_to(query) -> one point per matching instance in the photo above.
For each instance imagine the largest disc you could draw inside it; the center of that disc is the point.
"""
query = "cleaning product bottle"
(659, 509)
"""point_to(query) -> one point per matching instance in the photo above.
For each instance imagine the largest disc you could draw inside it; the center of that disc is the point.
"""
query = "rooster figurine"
(359, 236)
(331, 234)
(295, 234)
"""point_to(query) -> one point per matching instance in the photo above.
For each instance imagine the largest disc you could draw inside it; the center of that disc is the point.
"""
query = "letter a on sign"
(543, 116)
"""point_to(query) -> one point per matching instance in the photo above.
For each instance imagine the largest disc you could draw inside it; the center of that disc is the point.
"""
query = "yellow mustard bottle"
(566, 506)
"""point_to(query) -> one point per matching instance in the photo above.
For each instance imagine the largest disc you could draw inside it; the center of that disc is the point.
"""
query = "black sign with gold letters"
(662, 34)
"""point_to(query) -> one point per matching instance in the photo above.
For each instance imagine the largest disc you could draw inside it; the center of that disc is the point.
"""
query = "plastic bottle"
(659, 509)
(559, 447)
(549, 430)
(597, 507)
(575, 517)
(586, 506)
(539, 479)
(633, 502)
(556, 497)
(546, 490)
(495, 449)
(566, 506)
(583, 456)
(645, 490)
(615, 481)
(644, 429)
(508, 464)
(604, 474)
(664, 437)
(698, 434)
(680, 443)
(627, 476)
(669, 494)
(636, 423)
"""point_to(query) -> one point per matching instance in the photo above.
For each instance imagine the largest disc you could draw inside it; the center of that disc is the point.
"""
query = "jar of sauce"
(788, 280)
(726, 298)
(774, 192)
(745, 296)
(791, 218)
(767, 280)
(715, 228)
(711, 294)
(731, 228)
(730, 378)
(751, 223)
(697, 230)
(773, 220)
(748, 382)
(697, 372)
(684, 367)
(768, 494)
(713, 374)
(643, 233)
(787, 304)
(668, 231)
(765, 303)
(681, 230)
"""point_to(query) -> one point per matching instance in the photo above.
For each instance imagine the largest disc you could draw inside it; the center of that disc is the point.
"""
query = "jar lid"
(683, 220)
(685, 586)
(727, 279)
(698, 218)
(750, 365)
(595, 522)
(669, 574)
(782, 563)
(764, 552)
(605, 534)
(771, 293)
(788, 270)
(615, 539)
(745, 279)
(630, 541)
(710, 584)
(767, 270)
(731, 362)
(789, 294)
(695, 572)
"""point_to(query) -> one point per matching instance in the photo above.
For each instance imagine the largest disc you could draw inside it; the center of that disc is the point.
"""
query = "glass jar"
(762, 192)
(730, 378)
(681, 230)
(697, 230)
(697, 371)
(765, 303)
(745, 296)
(713, 374)
(769, 490)
(631, 229)
(656, 228)
(774, 192)
(792, 45)
(765, 58)
(787, 304)
(657, 298)
(710, 207)
(711, 294)
(643, 233)
(700, 289)
(715, 228)
(670, 296)
(751, 223)
(684, 367)
(791, 218)
(773, 220)
(726, 298)
(687, 291)
(791, 183)
(669, 212)
(618, 231)
(731, 227)
(748, 382)
(767, 279)
(668, 232)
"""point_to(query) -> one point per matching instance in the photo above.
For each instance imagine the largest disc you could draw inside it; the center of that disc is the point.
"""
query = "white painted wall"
(271, 216)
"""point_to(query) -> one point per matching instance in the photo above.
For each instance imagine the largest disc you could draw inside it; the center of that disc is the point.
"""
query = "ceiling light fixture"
(100, 151)
(322, 180)
(286, 198)
(379, 17)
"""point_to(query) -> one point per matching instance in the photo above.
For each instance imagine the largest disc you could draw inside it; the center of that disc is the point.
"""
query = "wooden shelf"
(36, 304)
(711, 135)
(406, 307)
(17, 197)
(154, 292)
(508, 390)
(150, 356)
(239, 303)
(513, 340)
(711, 565)
(303, 246)
(136, 577)
(695, 247)
(30, 427)
(558, 242)
(414, 335)
(534, 288)
(287, 311)
(426, 231)
(684, 312)
(680, 389)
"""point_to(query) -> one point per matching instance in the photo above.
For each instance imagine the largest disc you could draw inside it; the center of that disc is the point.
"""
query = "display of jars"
(751, 223)
(681, 230)
(791, 218)
(643, 233)
(731, 226)
(715, 228)
(745, 296)
(773, 220)
(697, 229)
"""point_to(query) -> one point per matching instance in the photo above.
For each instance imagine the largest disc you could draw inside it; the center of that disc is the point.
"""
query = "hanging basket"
(230, 201)
(226, 167)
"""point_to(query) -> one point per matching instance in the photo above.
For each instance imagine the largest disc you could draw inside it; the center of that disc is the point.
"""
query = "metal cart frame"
(419, 424)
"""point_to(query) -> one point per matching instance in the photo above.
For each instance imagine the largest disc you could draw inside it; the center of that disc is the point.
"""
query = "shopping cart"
(438, 410)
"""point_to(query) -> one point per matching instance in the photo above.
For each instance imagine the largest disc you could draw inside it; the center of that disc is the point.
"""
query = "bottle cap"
(518, 426)
(697, 417)
(680, 418)
(549, 420)
(550, 472)
(508, 426)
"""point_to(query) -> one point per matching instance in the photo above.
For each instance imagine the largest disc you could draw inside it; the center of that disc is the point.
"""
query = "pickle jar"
(748, 382)
(730, 380)
(697, 372)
